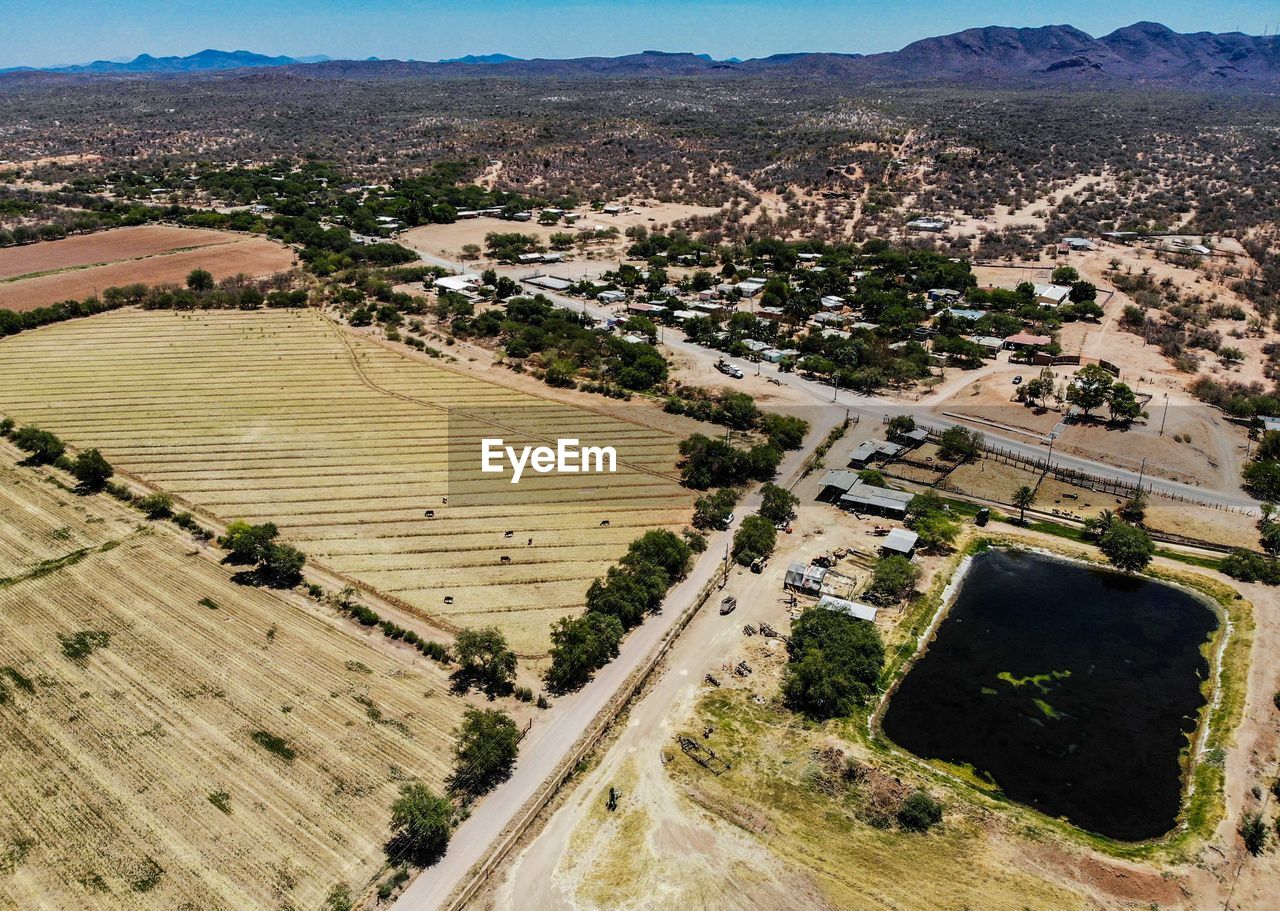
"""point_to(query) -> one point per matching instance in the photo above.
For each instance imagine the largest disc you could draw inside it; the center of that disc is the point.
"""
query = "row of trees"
(621, 600)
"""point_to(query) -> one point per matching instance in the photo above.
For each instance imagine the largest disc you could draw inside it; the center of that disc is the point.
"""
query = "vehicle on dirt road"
(728, 605)
(729, 369)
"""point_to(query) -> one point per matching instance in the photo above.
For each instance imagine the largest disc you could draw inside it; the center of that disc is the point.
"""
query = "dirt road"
(554, 733)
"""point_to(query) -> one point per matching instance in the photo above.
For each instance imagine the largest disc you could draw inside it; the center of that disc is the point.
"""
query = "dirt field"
(270, 416)
(448, 240)
(77, 267)
(133, 777)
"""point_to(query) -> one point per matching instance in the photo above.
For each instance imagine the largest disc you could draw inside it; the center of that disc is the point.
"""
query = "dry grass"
(269, 416)
(132, 775)
(991, 480)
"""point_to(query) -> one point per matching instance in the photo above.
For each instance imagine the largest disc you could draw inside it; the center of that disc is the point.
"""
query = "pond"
(1073, 690)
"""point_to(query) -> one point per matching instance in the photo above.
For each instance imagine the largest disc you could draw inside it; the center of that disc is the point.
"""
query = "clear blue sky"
(47, 32)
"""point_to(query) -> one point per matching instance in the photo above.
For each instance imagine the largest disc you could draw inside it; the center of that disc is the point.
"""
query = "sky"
(54, 32)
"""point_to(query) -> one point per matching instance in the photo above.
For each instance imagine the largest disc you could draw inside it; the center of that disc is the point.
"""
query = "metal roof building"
(864, 497)
(805, 578)
(900, 541)
(852, 608)
(870, 449)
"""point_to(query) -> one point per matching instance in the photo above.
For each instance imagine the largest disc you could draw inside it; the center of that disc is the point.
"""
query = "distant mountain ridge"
(1145, 53)
(202, 61)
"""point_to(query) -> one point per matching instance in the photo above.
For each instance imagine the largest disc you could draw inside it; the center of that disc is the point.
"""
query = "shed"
(900, 541)
(853, 608)
(611, 297)
(463, 282)
(865, 498)
(872, 449)
(550, 282)
(1027, 340)
(836, 483)
(804, 578)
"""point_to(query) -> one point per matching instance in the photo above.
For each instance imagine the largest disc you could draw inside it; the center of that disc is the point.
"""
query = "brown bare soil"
(57, 277)
(104, 247)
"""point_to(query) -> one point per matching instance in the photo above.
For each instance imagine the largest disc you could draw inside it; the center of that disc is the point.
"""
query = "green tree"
(894, 579)
(44, 448)
(281, 565)
(247, 543)
(1064, 275)
(713, 511)
(1090, 388)
(660, 548)
(91, 469)
(835, 663)
(484, 659)
(1023, 497)
(1253, 832)
(1123, 404)
(900, 425)
(484, 752)
(1127, 547)
(777, 504)
(754, 540)
(200, 280)
(959, 444)
(421, 824)
(580, 645)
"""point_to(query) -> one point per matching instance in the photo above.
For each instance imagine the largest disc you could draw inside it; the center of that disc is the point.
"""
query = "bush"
(275, 745)
(156, 505)
(919, 812)
(281, 566)
(247, 543)
(422, 824)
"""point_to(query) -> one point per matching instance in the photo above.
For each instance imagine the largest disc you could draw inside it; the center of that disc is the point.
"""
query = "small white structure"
(854, 609)
(1052, 295)
(458, 283)
(611, 297)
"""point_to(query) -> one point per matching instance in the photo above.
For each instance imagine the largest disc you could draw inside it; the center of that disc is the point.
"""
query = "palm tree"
(1023, 497)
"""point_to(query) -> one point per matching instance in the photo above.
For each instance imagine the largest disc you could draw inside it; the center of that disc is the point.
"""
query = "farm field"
(36, 275)
(136, 768)
(279, 416)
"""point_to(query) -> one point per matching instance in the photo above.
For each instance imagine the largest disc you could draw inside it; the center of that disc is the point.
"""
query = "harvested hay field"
(282, 417)
(37, 275)
(174, 740)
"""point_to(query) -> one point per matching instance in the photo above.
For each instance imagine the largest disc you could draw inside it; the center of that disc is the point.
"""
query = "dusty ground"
(776, 832)
(95, 262)
(448, 240)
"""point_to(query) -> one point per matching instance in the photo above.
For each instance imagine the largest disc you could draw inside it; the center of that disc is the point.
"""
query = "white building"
(1052, 295)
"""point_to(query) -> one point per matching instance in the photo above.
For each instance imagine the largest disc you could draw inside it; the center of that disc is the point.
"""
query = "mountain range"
(1145, 53)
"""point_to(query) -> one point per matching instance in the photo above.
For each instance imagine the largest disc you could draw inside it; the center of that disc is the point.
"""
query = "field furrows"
(132, 773)
(275, 416)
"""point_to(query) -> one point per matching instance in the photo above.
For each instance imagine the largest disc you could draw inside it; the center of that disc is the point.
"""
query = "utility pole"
(1165, 417)
(1141, 474)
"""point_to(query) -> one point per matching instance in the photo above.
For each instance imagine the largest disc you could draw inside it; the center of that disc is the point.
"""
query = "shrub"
(1253, 832)
(919, 812)
(580, 645)
(894, 579)
(275, 745)
(1128, 547)
(156, 505)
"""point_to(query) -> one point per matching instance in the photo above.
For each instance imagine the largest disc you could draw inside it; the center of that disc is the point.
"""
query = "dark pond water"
(1072, 689)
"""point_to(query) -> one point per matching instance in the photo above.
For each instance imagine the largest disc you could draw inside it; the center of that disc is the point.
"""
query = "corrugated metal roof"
(852, 608)
(879, 497)
(901, 540)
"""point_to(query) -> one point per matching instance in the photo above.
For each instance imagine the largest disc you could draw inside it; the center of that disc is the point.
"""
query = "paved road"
(876, 407)
(556, 731)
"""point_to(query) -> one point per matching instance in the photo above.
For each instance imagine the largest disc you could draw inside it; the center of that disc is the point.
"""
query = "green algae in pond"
(1039, 681)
